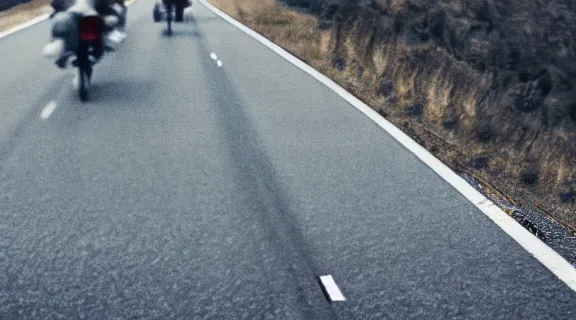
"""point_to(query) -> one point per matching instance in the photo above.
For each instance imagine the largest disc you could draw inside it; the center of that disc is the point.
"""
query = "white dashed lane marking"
(331, 288)
(214, 57)
(48, 110)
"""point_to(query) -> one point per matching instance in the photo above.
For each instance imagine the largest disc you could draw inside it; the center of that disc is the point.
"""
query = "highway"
(209, 178)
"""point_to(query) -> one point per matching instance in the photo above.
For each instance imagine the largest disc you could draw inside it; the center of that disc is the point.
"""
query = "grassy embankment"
(459, 111)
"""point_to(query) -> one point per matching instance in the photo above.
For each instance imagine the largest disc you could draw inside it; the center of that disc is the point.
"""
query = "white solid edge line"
(24, 25)
(34, 21)
(331, 288)
(48, 110)
(542, 252)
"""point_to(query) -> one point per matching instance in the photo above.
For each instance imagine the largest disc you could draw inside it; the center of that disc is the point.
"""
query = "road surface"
(193, 189)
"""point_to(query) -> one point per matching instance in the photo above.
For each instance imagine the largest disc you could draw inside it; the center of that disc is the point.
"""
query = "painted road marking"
(331, 288)
(213, 56)
(24, 25)
(219, 63)
(48, 110)
(542, 252)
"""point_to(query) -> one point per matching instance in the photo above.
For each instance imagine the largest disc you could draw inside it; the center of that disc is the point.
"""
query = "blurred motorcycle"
(79, 41)
(170, 11)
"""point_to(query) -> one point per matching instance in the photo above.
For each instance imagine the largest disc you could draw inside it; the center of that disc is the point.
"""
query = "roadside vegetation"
(22, 13)
(488, 88)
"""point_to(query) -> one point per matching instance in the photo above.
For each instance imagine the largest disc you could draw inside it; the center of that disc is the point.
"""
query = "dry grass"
(442, 103)
(22, 13)
(292, 30)
(242, 8)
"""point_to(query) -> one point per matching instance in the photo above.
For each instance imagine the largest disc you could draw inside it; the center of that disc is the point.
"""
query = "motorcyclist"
(103, 7)
(64, 27)
(180, 5)
(116, 8)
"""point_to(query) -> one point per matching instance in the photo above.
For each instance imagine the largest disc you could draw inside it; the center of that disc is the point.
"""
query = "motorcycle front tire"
(84, 78)
(83, 85)
(156, 14)
(179, 15)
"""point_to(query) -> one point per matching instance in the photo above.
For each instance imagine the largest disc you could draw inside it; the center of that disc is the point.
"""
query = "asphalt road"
(187, 190)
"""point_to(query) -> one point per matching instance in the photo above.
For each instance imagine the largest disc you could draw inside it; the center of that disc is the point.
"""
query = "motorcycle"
(80, 36)
(171, 11)
(89, 51)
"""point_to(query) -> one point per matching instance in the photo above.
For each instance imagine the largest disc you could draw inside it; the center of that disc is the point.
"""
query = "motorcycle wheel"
(84, 76)
(169, 19)
(156, 14)
(179, 16)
